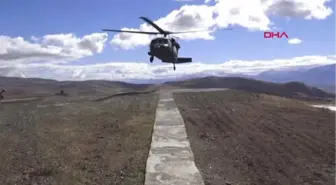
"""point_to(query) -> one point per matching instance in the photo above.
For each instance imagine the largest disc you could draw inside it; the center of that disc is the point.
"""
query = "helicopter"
(163, 48)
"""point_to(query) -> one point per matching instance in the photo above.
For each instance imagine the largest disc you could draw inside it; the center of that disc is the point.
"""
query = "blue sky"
(312, 22)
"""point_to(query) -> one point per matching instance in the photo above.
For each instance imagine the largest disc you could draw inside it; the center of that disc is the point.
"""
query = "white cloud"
(294, 41)
(219, 14)
(50, 48)
(136, 70)
(188, 17)
(312, 9)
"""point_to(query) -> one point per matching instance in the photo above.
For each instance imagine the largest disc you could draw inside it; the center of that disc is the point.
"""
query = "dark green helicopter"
(163, 48)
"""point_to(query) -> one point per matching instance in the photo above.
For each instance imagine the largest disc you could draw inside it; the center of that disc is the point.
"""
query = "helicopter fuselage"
(164, 49)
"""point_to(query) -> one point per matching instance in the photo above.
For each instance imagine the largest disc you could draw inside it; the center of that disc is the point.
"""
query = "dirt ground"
(250, 139)
(55, 141)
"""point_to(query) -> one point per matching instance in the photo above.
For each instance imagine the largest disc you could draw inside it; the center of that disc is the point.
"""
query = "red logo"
(271, 35)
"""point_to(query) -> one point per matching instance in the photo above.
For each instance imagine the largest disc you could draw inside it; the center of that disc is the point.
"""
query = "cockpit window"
(160, 41)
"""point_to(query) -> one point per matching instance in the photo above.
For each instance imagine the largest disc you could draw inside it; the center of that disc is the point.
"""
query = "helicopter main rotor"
(160, 30)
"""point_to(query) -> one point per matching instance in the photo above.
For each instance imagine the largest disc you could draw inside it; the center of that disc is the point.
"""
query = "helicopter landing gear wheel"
(151, 59)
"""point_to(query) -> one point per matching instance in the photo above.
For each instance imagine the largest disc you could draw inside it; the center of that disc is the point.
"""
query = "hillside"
(247, 138)
(328, 88)
(322, 76)
(34, 86)
(76, 141)
(30, 87)
(291, 89)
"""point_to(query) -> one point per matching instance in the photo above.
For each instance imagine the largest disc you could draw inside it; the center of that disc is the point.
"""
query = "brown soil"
(75, 142)
(245, 138)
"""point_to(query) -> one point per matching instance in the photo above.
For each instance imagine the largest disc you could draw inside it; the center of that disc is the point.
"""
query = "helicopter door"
(175, 50)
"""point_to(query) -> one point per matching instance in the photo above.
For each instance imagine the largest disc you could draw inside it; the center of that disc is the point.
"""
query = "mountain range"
(322, 77)
(290, 89)
(16, 86)
(32, 87)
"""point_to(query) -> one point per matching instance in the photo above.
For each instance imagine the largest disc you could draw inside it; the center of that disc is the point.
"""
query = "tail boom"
(181, 60)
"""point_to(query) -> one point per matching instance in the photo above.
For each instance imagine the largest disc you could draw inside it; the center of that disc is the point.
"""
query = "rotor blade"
(129, 31)
(154, 25)
(195, 31)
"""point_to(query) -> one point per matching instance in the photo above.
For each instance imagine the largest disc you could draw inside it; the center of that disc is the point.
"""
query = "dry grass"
(246, 138)
(76, 141)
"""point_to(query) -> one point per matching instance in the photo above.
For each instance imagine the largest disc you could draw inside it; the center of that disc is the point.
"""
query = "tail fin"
(183, 60)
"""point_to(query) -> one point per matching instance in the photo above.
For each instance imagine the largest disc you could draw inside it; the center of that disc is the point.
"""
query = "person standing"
(1, 94)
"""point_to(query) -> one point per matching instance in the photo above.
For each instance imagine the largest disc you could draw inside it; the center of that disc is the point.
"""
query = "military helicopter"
(163, 48)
